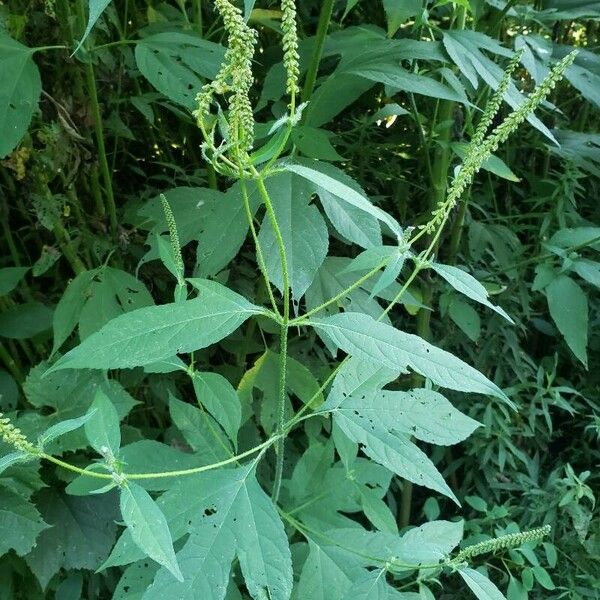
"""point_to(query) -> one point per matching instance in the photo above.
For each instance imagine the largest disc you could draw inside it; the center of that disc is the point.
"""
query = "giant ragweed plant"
(230, 508)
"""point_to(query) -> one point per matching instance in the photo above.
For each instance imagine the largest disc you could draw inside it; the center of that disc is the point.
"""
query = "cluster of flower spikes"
(14, 437)
(481, 148)
(291, 57)
(504, 542)
(234, 79)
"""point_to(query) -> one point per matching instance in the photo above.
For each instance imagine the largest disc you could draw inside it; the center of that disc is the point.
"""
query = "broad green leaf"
(67, 395)
(148, 527)
(371, 586)
(25, 320)
(351, 223)
(136, 579)
(234, 517)
(112, 293)
(174, 63)
(150, 456)
(422, 413)
(466, 284)
(81, 535)
(223, 230)
(588, 270)
(64, 427)
(397, 11)
(429, 543)
(83, 485)
(327, 572)
(69, 307)
(20, 523)
(95, 9)
(362, 336)
(568, 307)
(303, 230)
(155, 333)
(391, 449)
(103, 429)
(219, 397)
(200, 431)
(313, 142)
(480, 585)
(576, 238)
(20, 89)
(326, 177)
(466, 317)
(10, 277)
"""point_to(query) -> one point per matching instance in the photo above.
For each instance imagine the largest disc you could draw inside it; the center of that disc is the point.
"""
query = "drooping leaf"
(219, 397)
(154, 333)
(466, 284)
(68, 310)
(568, 307)
(174, 63)
(362, 336)
(103, 429)
(326, 177)
(303, 230)
(389, 448)
(148, 527)
(20, 88)
(200, 431)
(95, 9)
(480, 585)
(64, 427)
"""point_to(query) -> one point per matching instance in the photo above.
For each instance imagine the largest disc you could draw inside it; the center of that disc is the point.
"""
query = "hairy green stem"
(259, 254)
(283, 336)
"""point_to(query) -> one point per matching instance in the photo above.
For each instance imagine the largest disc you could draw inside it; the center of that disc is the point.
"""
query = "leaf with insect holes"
(20, 88)
(234, 517)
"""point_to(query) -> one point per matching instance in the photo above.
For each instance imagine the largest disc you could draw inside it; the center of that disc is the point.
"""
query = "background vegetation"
(89, 138)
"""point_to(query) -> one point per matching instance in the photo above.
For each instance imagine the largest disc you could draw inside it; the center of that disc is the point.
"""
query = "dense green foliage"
(299, 305)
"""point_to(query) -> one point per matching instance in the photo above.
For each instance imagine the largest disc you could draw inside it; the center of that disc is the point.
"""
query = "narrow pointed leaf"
(103, 430)
(148, 527)
(64, 427)
(466, 284)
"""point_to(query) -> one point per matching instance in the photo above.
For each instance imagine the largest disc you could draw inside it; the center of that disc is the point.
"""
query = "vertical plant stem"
(99, 134)
(313, 68)
(197, 15)
(11, 365)
(280, 448)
